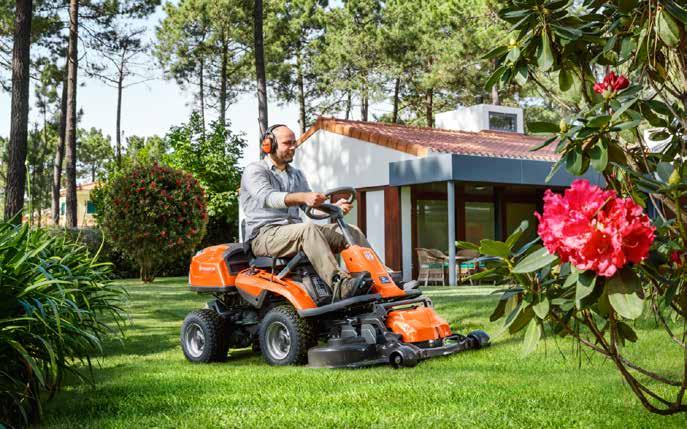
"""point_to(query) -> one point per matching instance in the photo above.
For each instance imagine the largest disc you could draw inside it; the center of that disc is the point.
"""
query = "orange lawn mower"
(286, 311)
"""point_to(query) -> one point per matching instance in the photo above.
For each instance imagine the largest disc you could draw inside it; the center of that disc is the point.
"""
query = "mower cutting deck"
(285, 310)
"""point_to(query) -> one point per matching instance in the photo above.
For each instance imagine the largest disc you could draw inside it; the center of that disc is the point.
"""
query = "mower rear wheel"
(285, 337)
(203, 337)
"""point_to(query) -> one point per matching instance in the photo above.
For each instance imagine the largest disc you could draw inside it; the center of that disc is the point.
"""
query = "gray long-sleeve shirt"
(263, 188)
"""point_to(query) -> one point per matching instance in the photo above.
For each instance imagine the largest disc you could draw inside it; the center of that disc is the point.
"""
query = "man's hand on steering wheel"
(344, 205)
(313, 199)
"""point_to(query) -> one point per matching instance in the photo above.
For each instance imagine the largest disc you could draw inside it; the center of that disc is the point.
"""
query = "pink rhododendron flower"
(594, 229)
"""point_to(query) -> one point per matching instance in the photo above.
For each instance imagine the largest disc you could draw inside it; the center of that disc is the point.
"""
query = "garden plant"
(54, 300)
(600, 264)
(152, 213)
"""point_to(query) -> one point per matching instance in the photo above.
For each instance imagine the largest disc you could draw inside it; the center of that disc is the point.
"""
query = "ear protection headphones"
(268, 142)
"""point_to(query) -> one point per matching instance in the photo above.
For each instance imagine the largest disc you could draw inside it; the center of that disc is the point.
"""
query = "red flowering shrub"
(594, 229)
(611, 83)
(154, 214)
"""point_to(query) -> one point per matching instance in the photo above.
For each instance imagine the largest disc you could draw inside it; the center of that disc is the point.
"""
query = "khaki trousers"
(318, 242)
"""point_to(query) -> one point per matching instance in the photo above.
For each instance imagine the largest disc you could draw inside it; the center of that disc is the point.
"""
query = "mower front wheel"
(203, 337)
(285, 337)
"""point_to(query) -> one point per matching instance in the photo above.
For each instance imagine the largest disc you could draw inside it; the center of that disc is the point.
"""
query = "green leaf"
(495, 77)
(532, 336)
(571, 279)
(585, 286)
(499, 310)
(496, 52)
(541, 309)
(599, 156)
(537, 127)
(622, 291)
(534, 261)
(599, 121)
(565, 79)
(543, 145)
(494, 248)
(626, 125)
(667, 29)
(627, 332)
(516, 234)
(545, 59)
(521, 74)
(467, 245)
(513, 55)
(575, 162)
(522, 319)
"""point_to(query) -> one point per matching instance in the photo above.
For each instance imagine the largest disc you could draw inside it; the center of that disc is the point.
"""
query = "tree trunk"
(59, 154)
(301, 91)
(120, 87)
(349, 104)
(70, 131)
(223, 84)
(16, 172)
(260, 66)
(364, 103)
(397, 88)
(202, 95)
(429, 100)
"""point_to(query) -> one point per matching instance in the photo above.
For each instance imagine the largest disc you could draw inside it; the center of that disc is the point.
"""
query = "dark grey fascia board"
(467, 168)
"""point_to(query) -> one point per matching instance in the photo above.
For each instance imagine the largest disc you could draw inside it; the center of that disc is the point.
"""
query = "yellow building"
(85, 209)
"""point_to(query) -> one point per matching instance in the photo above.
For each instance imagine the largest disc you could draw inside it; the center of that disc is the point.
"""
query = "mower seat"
(266, 262)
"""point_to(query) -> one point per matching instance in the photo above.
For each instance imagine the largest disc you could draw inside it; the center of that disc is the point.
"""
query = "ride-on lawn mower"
(284, 309)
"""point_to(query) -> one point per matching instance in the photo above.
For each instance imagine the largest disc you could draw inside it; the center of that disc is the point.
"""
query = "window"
(432, 224)
(479, 221)
(503, 121)
(90, 207)
(63, 208)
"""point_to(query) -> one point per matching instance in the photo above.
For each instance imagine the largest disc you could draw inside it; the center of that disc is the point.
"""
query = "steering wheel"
(328, 210)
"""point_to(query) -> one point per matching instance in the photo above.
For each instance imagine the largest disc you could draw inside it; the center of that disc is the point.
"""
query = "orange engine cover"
(417, 324)
(208, 269)
(359, 259)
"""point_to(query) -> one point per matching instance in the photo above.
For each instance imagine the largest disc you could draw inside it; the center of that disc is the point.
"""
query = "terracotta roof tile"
(421, 140)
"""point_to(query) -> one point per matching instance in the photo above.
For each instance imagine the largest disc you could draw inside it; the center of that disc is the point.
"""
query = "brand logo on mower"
(384, 279)
(369, 256)
(207, 268)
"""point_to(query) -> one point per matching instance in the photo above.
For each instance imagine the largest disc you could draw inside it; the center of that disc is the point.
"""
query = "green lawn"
(146, 382)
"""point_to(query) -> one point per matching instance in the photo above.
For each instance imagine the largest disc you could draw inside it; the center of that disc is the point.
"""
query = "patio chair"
(431, 266)
(466, 268)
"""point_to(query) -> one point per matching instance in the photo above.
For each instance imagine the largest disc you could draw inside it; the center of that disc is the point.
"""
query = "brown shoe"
(347, 287)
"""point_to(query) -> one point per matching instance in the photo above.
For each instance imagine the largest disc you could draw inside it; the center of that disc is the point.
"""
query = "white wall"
(331, 160)
(374, 204)
(476, 118)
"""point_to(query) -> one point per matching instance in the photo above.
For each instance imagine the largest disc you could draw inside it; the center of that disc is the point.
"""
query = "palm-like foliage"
(54, 301)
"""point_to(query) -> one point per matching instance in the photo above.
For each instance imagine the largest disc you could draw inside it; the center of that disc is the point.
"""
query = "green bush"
(54, 299)
(154, 214)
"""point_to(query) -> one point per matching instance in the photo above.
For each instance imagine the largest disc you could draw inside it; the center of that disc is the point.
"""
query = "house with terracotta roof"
(472, 177)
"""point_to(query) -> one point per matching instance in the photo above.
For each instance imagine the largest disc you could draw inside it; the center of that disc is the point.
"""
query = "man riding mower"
(282, 290)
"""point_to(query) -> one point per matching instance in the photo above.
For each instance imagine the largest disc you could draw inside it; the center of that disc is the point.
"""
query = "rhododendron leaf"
(495, 77)
(523, 318)
(599, 156)
(466, 245)
(532, 336)
(627, 332)
(541, 309)
(494, 248)
(521, 74)
(576, 163)
(538, 127)
(622, 294)
(499, 310)
(585, 286)
(534, 261)
(667, 29)
(545, 59)
(516, 234)
(565, 79)
(570, 280)
(599, 121)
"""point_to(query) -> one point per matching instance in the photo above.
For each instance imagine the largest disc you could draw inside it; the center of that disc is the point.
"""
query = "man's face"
(286, 144)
